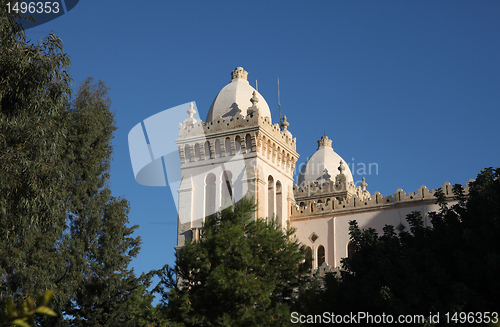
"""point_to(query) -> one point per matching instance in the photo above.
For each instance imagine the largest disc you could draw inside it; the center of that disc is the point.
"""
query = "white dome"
(323, 165)
(235, 98)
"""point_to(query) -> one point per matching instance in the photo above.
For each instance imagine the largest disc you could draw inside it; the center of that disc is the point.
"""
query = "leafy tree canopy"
(61, 228)
(451, 266)
(242, 272)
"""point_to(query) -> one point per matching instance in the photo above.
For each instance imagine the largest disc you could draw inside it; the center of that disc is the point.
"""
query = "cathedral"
(238, 151)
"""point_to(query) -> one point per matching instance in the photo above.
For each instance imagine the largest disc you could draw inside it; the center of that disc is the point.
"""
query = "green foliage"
(449, 267)
(34, 94)
(21, 315)
(99, 245)
(241, 272)
(139, 306)
(60, 226)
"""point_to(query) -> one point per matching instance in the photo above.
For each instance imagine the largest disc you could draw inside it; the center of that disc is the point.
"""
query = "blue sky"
(413, 86)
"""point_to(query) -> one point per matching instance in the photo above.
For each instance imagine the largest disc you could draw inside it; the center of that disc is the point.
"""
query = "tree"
(100, 246)
(242, 272)
(60, 227)
(451, 266)
(34, 93)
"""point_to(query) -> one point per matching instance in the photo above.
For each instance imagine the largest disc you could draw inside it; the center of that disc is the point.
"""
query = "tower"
(237, 152)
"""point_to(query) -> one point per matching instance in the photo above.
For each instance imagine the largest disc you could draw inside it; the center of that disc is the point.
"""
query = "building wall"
(259, 156)
(377, 220)
(330, 222)
(323, 228)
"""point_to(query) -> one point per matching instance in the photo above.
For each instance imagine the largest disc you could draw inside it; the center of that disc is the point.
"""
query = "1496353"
(33, 7)
(471, 317)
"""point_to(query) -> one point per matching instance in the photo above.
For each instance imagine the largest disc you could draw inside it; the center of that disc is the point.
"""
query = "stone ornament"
(239, 72)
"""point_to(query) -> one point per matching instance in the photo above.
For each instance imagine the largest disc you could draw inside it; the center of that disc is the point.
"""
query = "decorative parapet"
(355, 202)
(225, 137)
(325, 269)
(338, 188)
(200, 128)
(328, 187)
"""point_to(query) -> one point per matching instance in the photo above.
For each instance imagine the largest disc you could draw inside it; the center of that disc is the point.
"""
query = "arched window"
(227, 145)
(237, 144)
(279, 201)
(207, 150)
(309, 257)
(321, 255)
(187, 153)
(350, 249)
(197, 153)
(270, 196)
(248, 143)
(227, 190)
(210, 194)
(217, 148)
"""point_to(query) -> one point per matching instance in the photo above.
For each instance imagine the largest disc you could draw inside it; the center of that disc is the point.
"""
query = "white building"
(238, 152)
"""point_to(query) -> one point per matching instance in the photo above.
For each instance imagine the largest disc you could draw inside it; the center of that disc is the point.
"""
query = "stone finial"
(285, 124)
(191, 120)
(239, 72)
(324, 141)
(254, 108)
(364, 184)
(341, 167)
(254, 98)
(191, 111)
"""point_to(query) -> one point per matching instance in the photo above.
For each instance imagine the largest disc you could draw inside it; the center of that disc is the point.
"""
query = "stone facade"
(244, 154)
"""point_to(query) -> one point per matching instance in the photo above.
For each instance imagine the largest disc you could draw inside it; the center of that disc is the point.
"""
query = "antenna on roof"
(256, 86)
(279, 101)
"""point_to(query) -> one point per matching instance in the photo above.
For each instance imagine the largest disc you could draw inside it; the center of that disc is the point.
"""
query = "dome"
(323, 165)
(235, 98)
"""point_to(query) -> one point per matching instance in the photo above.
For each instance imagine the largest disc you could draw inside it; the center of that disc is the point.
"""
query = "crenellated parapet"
(315, 204)
(322, 191)
(199, 128)
(226, 137)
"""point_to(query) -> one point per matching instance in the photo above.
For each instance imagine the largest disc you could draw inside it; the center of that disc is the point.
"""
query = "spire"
(239, 72)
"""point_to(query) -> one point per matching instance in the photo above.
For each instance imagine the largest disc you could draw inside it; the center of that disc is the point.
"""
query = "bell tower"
(237, 152)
